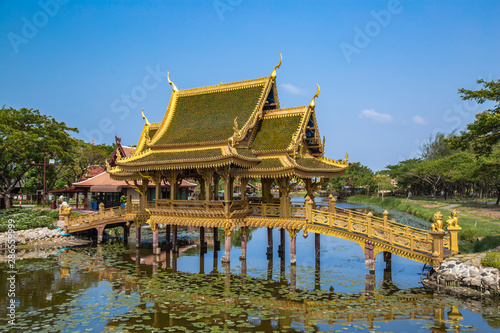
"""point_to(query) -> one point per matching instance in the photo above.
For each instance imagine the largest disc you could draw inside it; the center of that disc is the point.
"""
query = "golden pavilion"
(225, 132)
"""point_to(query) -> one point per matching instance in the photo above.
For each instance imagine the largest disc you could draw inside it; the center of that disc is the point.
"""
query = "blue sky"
(389, 71)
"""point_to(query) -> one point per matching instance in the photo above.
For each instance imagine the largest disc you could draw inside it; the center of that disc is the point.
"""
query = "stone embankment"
(39, 238)
(464, 275)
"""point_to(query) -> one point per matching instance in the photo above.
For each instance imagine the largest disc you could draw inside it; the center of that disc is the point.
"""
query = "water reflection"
(112, 287)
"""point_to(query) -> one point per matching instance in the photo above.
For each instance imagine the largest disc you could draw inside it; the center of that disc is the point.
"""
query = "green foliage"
(123, 199)
(436, 147)
(492, 259)
(357, 177)
(28, 218)
(488, 242)
(484, 133)
(26, 138)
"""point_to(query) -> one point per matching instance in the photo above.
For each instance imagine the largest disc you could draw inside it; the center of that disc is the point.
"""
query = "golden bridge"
(373, 234)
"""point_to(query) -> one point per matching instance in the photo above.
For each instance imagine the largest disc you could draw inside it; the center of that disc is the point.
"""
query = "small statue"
(453, 220)
(437, 225)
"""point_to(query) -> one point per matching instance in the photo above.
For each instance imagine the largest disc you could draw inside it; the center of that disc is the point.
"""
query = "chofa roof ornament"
(174, 88)
(273, 74)
(144, 117)
(312, 105)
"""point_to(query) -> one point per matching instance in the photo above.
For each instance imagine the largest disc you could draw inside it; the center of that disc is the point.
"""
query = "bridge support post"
(387, 260)
(175, 247)
(269, 252)
(293, 278)
(156, 249)
(331, 204)
(293, 246)
(126, 232)
(138, 241)
(281, 247)
(216, 239)
(227, 245)
(369, 256)
(156, 259)
(317, 262)
(100, 231)
(167, 237)
(243, 243)
(437, 247)
(203, 244)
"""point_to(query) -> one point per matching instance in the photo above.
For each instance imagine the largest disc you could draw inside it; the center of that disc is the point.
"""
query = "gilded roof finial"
(174, 88)
(346, 158)
(313, 104)
(144, 117)
(273, 74)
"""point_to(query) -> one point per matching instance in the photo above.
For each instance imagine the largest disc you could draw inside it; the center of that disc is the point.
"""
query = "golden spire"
(144, 117)
(174, 88)
(273, 74)
(312, 104)
(346, 158)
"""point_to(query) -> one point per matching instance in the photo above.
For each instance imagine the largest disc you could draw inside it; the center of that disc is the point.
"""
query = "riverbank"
(40, 238)
(465, 275)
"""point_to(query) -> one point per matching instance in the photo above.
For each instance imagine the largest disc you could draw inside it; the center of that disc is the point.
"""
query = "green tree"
(435, 147)
(356, 177)
(488, 170)
(26, 137)
(484, 133)
(383, 183)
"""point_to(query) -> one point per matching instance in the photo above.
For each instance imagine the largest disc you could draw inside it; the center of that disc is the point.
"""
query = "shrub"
(28, 218)
(492, 259)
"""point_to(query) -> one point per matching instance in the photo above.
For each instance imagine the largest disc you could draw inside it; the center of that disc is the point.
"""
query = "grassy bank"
(474, 221)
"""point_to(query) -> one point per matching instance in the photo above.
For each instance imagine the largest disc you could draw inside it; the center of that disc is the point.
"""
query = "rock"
(473, 271)
(476, 282)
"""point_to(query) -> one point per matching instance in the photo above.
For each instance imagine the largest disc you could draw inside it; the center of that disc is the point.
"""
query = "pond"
(118, 288)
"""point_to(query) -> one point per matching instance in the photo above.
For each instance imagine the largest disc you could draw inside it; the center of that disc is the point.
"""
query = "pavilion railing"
(265, 209)
(208, 205)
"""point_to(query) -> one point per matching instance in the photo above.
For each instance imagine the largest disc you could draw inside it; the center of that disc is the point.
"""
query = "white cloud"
(375, 116)
(419, 120)
(290, 88)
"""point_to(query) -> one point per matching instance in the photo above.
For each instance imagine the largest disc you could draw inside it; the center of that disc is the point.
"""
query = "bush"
(28, 218)
(492, 259)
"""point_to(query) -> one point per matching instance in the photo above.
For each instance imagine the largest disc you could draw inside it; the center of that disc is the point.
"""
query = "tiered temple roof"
(237, 124)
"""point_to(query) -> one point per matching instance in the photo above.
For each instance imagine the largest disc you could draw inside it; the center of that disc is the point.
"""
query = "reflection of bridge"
(373, 234)
(300, 306)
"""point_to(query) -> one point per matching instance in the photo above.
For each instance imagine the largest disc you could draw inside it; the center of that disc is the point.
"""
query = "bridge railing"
(96, 216)
(209, 205)
(391, 232)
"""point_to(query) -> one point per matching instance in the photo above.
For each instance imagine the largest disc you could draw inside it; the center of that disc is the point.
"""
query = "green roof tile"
(314, 163)
(276, 133)
(209, 117)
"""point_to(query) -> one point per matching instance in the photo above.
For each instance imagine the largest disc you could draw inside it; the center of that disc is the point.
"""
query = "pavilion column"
(225, 174)
(207, 176)
(285, 189)
(227, 245)
(266, 189)
(215, 193)
(293, 246)
(244, 182)
(126, 232)
(157, 188)
(281, 247)
(243, 243)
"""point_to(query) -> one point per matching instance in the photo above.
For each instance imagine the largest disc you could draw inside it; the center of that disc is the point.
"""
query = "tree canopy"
(484, 133)
(26, 138)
